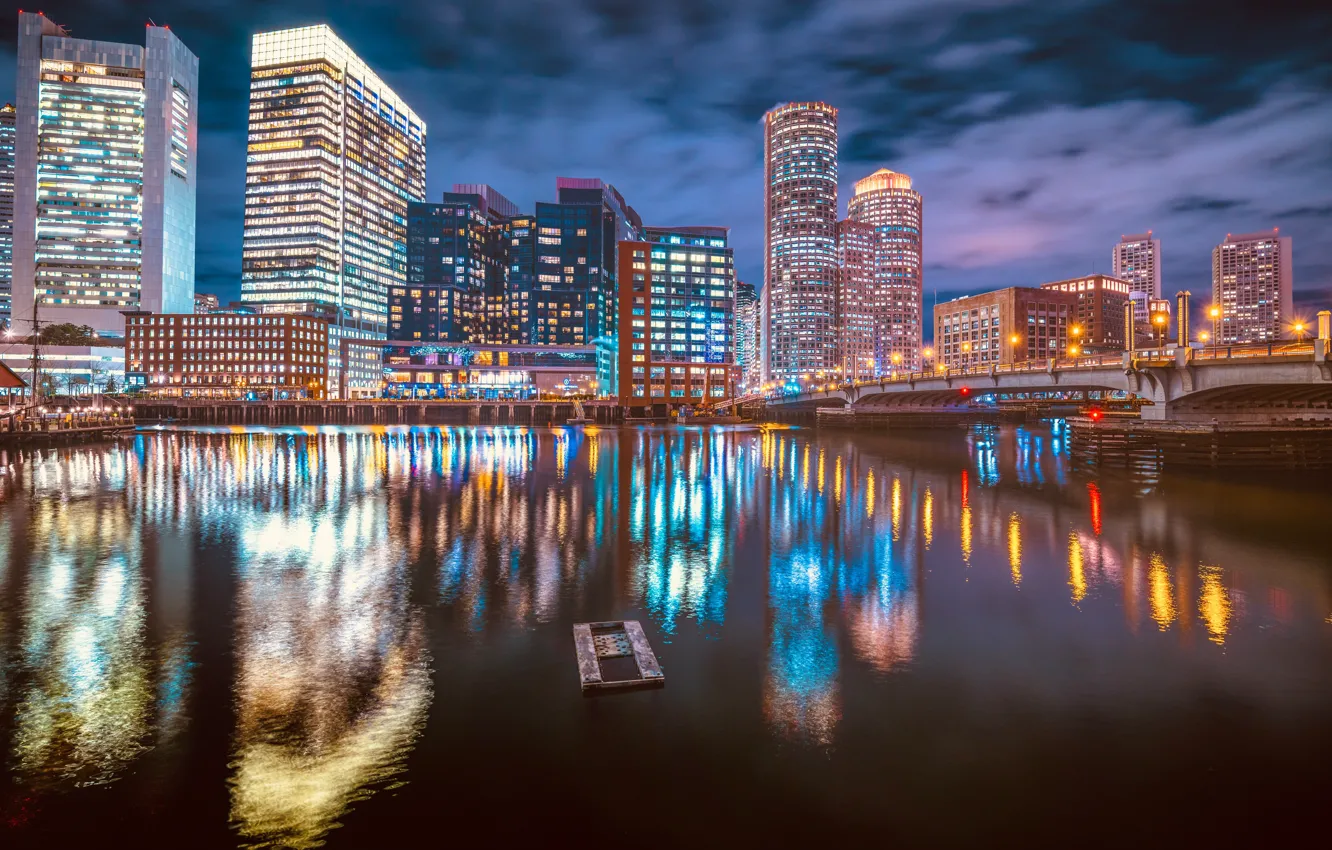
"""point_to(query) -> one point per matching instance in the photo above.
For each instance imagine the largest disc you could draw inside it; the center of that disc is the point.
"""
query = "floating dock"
(614, 639)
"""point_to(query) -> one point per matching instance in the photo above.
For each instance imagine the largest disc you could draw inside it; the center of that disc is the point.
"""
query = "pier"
(374, 412)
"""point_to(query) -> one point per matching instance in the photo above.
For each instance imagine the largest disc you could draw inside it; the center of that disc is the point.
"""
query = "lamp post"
(1299, 328)
(1214, 313)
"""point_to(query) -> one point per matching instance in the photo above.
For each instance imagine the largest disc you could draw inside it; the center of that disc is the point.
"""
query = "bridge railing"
(1251, 350)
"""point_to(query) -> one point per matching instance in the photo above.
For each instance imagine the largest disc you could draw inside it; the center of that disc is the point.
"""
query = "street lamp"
(1203, 336)
(1214, 313)
(1298, 328)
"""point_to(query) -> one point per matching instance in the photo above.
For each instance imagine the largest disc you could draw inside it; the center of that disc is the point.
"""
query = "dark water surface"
(360, 637)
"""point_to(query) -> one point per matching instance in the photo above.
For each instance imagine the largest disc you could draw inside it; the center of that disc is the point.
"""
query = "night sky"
(1038, 132)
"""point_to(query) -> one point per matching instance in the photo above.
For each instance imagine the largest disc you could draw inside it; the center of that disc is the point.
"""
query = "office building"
(855, 301)
(800, 240)
(457, 269)
(226, 356)
(748, 313)
(677, 318)
(886, 201)
(105, 154)
(334, 158)
(205, 303)
(1137, 259)
(6, 210)
(1006, 326)
(1253, 283)
(1098, 325)
(562, 270)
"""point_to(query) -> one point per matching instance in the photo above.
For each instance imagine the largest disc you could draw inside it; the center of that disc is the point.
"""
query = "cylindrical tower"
(800, 208)
(886, 200)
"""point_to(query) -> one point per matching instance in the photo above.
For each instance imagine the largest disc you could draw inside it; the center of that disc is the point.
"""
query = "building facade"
(800, 240)
(1099, 323)
(856, 317)
(1006, 326)
(886, 201)
(205, 303)
(6, 211)
(227, 356)
(677, 317)
(748, 314)
(334, 158)
(490, 371)
(1137, 259)
(1253, 283)
(106, 171)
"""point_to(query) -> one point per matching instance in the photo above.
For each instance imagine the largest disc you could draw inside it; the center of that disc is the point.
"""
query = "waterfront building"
(457, 269)
(886, 201)
(518, 372)
(562, 270)
(187, 355)
(70, 369)
(205, 303)
(334, 158)
(856, 315)
(747, 319)
(105, 157)
(677, 314)
(800, 240)
(1253, 282)
(1006, 326)
(6, 209)
(1137, 259)
(1099, 323)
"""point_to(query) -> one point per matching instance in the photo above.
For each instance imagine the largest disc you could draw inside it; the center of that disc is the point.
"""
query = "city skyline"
(1045, 122)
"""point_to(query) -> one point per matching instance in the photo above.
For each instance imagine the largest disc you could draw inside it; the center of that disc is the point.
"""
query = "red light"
(966, 391)
(1096, 414)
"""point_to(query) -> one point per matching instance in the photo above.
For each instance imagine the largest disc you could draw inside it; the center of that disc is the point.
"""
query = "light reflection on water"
(351, 555)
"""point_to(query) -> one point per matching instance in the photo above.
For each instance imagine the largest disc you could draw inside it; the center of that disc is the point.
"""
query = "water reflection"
(340, 561)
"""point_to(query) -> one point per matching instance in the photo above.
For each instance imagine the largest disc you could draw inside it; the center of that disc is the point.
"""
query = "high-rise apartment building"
(1137, 259)
(886, 201)
(800, 241)
(747, 318)
(105, 173)
(334, 158)
(457, 266)
(677, 317)
(6, 209)
(1253, 283)
(1005, 326)
(1099, 322)
(856, 317)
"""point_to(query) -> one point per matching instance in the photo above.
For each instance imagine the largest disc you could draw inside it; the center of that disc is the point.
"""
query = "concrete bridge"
(1249, 383)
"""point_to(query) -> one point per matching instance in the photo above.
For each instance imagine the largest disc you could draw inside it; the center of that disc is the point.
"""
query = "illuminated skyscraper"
(1137, 259)
(6, 208)
(747, 317)
(1253, 282)
(855, 299)
(800, 210)
(104, 176)
(334, 158)
(886, 201)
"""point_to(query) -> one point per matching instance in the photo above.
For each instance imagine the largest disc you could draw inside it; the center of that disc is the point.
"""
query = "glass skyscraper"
(800, 212)
(104, 176)
(334, 158)
(6, 208)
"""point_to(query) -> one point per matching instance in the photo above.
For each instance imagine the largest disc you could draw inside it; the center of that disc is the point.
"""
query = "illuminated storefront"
(490, 372)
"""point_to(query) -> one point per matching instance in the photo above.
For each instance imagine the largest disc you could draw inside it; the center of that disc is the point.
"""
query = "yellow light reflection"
(1015, 548)
(897, 508)
(1161, 594)
(837, 480)
(928, 517)
(820, 471)
(1077, 576)
(1214, 604)
(869, 495)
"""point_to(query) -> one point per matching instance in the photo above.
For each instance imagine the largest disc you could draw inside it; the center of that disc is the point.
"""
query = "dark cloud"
(1038, 132)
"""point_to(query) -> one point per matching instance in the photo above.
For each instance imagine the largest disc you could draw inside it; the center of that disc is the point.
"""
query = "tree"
(65, 333)
(110, 386)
